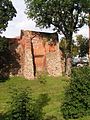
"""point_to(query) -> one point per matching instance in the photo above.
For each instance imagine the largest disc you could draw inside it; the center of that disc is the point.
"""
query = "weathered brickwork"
(38, 52)
(53, 61)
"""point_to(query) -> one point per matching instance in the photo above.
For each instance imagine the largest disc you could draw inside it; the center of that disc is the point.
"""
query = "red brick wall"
(33, 49)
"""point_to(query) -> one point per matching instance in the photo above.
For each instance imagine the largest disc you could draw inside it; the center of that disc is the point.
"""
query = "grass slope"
(54, 87)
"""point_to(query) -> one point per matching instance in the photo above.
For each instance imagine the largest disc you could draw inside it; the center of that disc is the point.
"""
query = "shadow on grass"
(2, 79)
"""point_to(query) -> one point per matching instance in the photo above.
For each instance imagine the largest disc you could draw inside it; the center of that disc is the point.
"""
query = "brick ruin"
(35, 52)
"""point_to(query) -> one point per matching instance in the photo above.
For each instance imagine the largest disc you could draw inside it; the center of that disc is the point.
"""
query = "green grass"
(54, 87)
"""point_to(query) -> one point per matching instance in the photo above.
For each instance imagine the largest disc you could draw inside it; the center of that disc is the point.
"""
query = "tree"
(7, 12)
(3, 57)
(79, 46)
(63, 47)
(65, 15)
(89, 34)
(3, 44)
(82, 45)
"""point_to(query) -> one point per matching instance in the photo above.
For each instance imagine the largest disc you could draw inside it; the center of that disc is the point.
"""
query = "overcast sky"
(21, 22)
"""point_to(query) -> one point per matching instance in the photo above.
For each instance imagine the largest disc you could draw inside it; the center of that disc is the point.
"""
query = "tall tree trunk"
(69, 57)
(89, 46)
(68, 64)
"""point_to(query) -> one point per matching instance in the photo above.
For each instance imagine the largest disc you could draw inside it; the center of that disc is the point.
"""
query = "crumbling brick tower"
(38, 52)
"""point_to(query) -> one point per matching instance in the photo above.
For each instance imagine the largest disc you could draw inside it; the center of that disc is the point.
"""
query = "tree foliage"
(3, 56)
(82, 45)
(3, 44)
(66, 15)
(63, 47)
(7, 12)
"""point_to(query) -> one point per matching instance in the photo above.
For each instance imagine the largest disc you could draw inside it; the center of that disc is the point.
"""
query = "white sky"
(21, 22)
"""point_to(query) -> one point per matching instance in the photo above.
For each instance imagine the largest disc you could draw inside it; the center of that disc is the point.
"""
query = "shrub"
(77, 96)
(24, 107)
